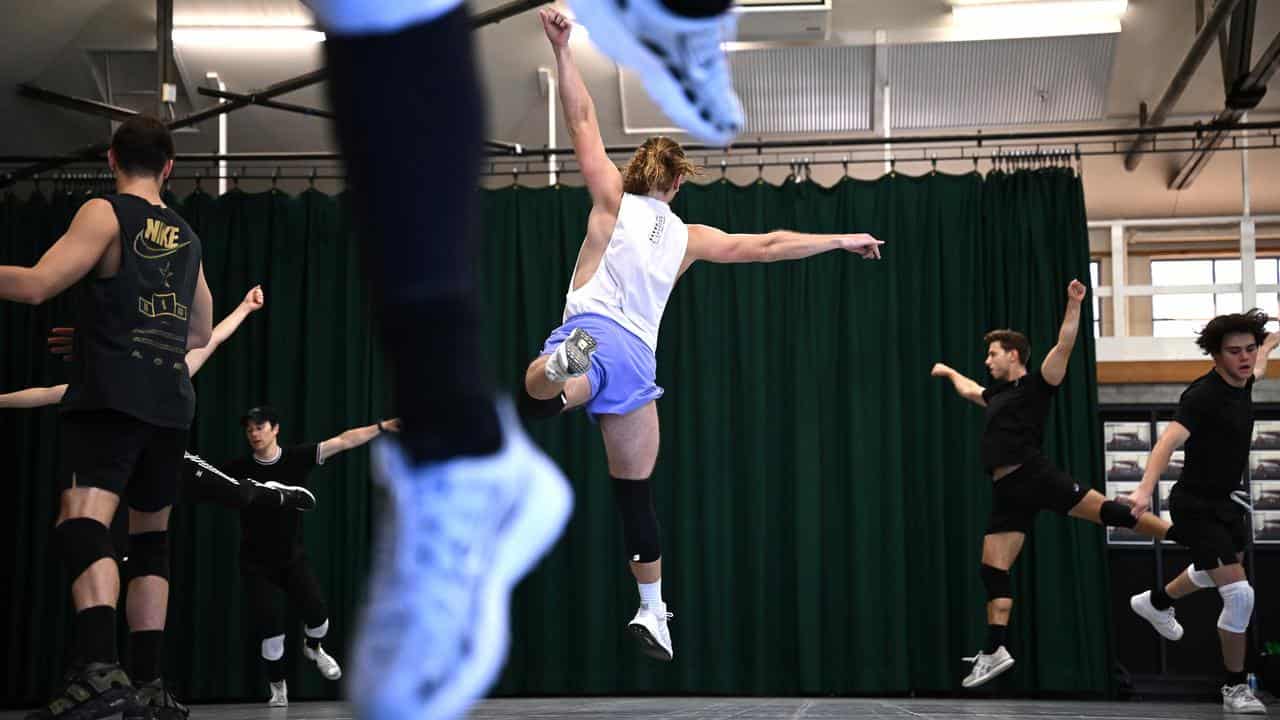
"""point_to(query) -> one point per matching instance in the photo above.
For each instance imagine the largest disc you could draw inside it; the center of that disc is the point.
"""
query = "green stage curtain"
(820, 495)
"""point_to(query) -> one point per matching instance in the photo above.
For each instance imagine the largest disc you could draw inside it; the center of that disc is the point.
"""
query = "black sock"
(276, 671)
(146, 648)
(313, 643)
(444, 400)
(698, 8)
(997, 635)
(95, 639)
(417, 208)
(1160, 599)
(1236, 678)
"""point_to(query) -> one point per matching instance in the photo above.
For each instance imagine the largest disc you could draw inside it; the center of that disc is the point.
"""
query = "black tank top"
(130, 347)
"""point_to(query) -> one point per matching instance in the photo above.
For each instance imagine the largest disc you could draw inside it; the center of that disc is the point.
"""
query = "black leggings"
(201, 482)
(297, 582)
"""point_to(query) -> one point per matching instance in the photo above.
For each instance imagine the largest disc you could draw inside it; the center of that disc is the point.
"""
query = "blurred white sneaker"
(680, 60)
(455, 538)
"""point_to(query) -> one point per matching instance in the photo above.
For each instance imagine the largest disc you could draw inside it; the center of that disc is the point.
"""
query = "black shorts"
(264, 585)
(1215, 530)
(119, 453)
(1017, 497)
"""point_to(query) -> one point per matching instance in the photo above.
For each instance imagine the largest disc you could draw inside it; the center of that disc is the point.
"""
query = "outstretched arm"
(33, 397)
(253, 301)
(1170, 440)
(71, 258)
(715, 245)
(965, 387)
(354, 438)
(603, 180)
(1054, 367)
(1260, 367)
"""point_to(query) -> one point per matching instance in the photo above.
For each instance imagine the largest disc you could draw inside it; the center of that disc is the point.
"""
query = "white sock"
(651, 595)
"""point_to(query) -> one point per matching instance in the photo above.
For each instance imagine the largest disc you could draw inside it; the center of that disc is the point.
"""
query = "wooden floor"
(752, 709)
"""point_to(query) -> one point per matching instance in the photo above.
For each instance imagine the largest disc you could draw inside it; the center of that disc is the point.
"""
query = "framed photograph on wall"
(1266, 527)
(1266, 435)
(1264, 465)
(1125, 466)
(1266, 495)
(1126, 436)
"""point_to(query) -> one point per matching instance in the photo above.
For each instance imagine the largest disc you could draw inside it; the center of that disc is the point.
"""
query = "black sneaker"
(89, 692)
(155, 702)
(293, 496)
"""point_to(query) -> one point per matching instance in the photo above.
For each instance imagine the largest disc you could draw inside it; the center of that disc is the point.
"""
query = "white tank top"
(638, 269)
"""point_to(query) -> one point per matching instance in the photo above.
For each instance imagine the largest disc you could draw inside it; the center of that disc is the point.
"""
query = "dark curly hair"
(1253, 322)
(1011, 341)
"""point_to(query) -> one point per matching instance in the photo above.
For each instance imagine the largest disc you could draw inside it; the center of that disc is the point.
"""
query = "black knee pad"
(1117, 514)
(640, 531)
(531, 408)
(148, 555)
(997, 582)
(83, 542)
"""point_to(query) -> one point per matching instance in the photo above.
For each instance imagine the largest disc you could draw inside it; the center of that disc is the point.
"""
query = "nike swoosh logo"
(151, 252)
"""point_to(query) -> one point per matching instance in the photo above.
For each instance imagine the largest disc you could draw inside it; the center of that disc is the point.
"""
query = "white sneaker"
(455, 539)
(1240, 699)
(650, 628)
(987, 667)
(324, 661)
(279, 694)
(1164, 621)
(571, 358)
(680, 59)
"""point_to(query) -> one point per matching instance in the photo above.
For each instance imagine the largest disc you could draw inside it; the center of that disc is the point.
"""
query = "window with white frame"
(1182, 315)
(1095, 271)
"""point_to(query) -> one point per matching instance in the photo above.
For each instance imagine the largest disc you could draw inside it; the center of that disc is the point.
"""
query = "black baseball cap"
(260, 414)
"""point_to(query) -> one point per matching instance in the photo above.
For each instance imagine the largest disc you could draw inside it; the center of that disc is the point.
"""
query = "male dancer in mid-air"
(602, 357)
(1024, 480)
(1209, 504)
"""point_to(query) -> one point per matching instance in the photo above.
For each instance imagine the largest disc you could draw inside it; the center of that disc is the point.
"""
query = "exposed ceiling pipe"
(1177, 85)
(1243, 96)
(166, 92)
(283, 87)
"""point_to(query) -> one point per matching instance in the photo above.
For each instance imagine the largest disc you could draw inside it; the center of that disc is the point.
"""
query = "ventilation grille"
(1000, 82)
(805, 89)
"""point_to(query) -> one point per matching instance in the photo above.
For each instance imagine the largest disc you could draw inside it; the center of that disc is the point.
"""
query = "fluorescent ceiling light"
(1047, 11)
(247, 38)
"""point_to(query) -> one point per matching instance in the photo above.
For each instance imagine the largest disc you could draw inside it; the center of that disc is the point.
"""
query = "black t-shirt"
(272, 536)
(1013, 430)
(1220, 418)
(130, 346)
